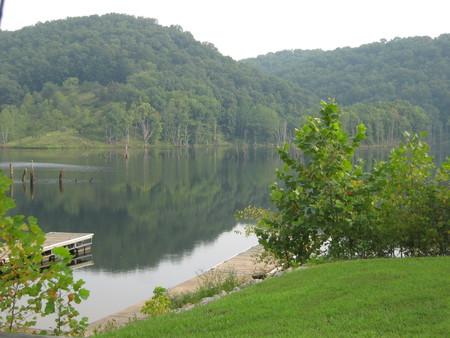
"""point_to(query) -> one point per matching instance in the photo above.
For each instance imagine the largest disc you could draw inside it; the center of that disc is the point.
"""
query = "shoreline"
(242, 263)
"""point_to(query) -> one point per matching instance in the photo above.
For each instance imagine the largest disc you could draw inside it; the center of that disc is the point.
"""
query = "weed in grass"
(110, 325)
(212, 283)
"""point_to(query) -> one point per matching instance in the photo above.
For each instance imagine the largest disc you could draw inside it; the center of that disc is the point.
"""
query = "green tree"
(263, 122)
(148, 121)
(315, 202)
(176, 118)
(10, 91)
(411, 200)
(10, 123)
(116, 125)
(327, 205)
(54, 119)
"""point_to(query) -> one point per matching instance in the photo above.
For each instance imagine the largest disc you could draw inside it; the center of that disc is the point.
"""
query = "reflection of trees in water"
(160, 204)
(163, 205)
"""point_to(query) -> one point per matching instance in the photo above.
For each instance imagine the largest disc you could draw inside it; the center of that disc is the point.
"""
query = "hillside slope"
(97, 70)
(413, 69)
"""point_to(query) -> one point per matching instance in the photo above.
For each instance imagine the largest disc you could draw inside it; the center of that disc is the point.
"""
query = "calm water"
(159, 218)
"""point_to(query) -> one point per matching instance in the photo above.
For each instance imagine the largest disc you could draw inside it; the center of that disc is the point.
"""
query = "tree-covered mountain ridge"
(117, 77)
(125, 80)
(415, 69)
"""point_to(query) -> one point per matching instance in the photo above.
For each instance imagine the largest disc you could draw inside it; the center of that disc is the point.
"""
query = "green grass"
(71, 139)
(57, 139)
(365, 298)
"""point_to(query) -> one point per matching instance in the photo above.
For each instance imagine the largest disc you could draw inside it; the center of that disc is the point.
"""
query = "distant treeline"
(416, 70)
(121, 79)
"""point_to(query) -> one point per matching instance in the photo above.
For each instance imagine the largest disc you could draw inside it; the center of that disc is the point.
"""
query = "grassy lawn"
(363, 298)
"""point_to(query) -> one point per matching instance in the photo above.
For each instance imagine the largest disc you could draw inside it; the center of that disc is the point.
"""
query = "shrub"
(159, 304)
(26, 290)
(328, 205)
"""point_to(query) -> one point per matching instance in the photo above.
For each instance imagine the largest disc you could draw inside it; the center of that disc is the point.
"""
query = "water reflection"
(152, 205)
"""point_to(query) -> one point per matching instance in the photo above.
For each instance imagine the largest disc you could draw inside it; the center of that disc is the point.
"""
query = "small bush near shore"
(212, 283)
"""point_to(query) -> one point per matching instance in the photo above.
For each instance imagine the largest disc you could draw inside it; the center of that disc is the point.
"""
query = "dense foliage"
(327, 204)
(115, 76)
(413, 69)
(121, 79)
(26, 290)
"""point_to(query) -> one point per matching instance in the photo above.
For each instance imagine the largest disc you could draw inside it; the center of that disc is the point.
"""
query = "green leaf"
(49, 308)
(61, 252)
(277, 195)
(35, 228)
(361, 129)
(298, 191)
(84, 294)
(306, 129)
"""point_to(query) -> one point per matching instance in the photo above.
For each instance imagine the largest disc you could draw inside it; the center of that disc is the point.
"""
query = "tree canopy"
(415, 69)
(89, 75)
(76, 73)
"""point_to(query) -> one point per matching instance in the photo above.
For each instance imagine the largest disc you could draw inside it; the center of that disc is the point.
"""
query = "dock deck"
(79, 245)
(69, 240)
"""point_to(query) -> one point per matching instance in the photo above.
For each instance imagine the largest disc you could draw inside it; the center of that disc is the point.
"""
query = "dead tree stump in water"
(32, 173)
(32, 178)
(61, 188)
(24, 175)
(32, 181)
(11, 171)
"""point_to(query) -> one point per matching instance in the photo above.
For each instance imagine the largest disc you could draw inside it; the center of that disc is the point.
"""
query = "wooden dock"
(71, 240)
(78, 244)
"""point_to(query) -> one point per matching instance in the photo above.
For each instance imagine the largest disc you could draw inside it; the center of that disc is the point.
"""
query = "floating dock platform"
(78, 244)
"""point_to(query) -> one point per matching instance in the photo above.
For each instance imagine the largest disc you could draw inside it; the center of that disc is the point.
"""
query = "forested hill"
(117, 77)
(125, 80)
(413, 69)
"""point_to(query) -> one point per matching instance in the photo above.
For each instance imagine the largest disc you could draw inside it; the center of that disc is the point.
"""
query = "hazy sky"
(248, 28)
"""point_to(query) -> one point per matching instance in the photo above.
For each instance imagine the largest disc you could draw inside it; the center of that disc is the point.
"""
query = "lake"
(159, 217)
